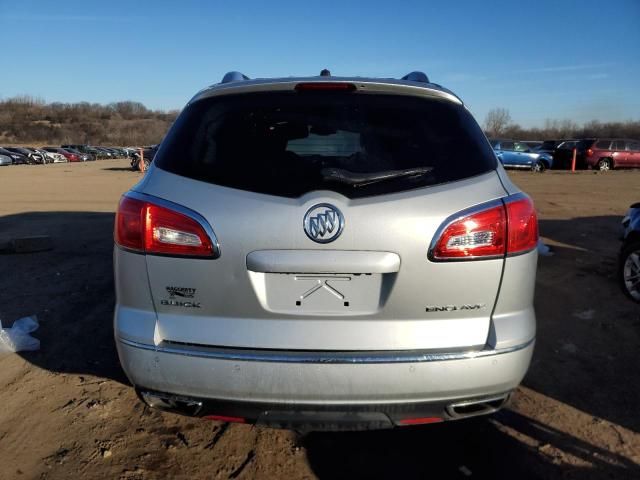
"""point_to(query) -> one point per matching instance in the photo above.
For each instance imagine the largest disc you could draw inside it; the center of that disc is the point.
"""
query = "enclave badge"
(453, 308)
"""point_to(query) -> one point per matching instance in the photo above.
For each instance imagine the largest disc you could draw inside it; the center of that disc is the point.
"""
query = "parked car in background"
(104, 154)
(54, 157)
(563, 154)
(610, 153)
(71, 157)
(148, 154)
(331, 254)
(85, 157)
(17, 158)
(5, 159)
(514, 154)
(629, 264)
(547, 146)
(33, 157)
(84, 149)
(44, 154)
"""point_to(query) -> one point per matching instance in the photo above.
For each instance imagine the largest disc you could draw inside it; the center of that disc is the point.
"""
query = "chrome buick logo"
(323, 223)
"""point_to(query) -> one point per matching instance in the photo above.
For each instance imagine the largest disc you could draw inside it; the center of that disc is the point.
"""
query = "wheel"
(538, 167)
(630, 270)
(604, 164)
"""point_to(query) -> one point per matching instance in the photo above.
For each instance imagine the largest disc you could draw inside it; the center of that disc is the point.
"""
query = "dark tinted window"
(603, 144)
(285, 143)
(506, 145)
(633, 146)
(619, 145)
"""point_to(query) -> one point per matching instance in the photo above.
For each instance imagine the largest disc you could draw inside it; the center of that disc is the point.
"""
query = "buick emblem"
(323, 223)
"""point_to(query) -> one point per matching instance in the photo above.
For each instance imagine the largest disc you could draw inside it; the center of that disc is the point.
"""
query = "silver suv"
(325, 253)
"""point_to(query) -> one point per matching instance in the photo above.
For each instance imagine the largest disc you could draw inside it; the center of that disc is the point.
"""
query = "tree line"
(498, 123)
(30, 120)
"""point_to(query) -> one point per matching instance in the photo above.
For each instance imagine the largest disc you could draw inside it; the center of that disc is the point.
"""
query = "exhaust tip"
(171, 403)
(474, 408)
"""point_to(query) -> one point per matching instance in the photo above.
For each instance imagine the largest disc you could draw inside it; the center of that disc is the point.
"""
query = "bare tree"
(497, 121)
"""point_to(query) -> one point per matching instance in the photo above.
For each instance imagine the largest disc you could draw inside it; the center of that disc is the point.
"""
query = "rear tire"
(539, 167)
(629, 270)
(604, 165)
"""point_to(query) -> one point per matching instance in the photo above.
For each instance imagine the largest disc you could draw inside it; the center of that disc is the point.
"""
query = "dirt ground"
(67, 411)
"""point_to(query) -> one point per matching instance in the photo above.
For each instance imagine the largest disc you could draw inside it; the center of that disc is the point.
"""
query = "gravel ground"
(67, 411)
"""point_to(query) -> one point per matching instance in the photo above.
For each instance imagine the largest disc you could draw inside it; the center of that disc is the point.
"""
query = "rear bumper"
(326, 390)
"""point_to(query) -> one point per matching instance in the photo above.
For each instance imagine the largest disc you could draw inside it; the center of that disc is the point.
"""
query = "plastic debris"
(585, 314)
(17, 338)
(543, 249)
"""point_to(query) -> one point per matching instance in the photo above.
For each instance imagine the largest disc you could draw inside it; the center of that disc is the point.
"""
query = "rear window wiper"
(357, 179)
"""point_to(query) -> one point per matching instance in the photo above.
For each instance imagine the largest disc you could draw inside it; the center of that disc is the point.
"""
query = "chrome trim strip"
(181, 209)
(247, 355)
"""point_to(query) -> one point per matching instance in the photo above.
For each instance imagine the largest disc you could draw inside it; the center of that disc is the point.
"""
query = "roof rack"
(416, 77)
(234, 77)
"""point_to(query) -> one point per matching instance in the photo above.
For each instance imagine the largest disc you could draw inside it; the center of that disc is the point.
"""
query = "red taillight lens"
(523, 226)
(481, 234)
(154, 229)
(325, 86)
(130, 224)
(500, 229)
(589, 152)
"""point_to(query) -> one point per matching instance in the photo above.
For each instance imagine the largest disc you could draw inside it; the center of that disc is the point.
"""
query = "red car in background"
(72, 157)
(610, 153)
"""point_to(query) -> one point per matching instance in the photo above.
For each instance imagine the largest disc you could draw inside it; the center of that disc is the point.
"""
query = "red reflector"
(420, 420)
(325, 86)
(224, 418)
(150, 228)
(129, 224)
(523, 226)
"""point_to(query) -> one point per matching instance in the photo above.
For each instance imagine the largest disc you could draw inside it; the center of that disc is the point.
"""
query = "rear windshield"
(289, 143)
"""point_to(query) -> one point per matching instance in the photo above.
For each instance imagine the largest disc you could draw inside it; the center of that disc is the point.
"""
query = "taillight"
(497, 229)
(149, 227)
(589, 152)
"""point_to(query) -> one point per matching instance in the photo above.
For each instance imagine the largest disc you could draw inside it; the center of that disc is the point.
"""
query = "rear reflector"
(224, 418)
(420, 420)
(500, 228)
(145, 226)
(325, 86)
(522, 225)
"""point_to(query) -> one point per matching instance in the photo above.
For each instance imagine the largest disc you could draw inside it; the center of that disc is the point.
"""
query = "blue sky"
(559, 59)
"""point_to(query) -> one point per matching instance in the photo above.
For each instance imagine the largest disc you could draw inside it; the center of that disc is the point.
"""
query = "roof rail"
(416, 77)
(234, 77)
